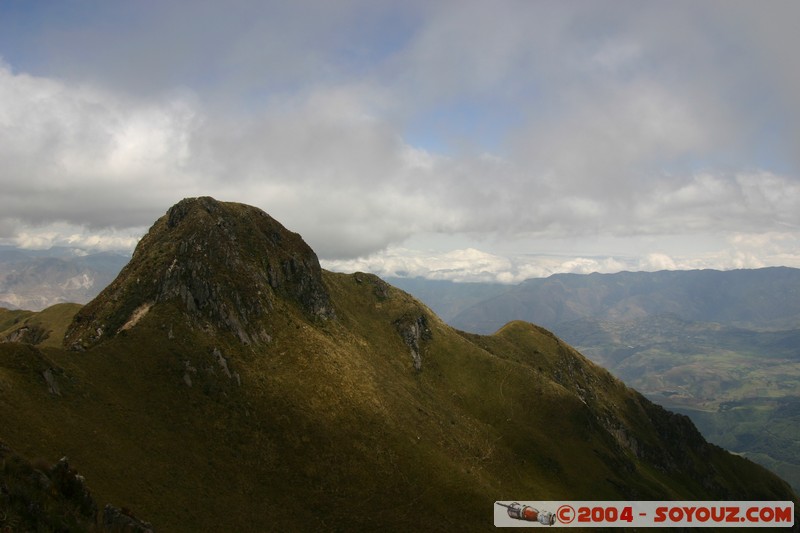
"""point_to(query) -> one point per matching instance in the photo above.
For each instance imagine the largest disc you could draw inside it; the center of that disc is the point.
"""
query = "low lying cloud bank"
(473, 265)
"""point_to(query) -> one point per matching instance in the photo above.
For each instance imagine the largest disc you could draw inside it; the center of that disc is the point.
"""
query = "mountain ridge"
(767, 298)
(37, 279)
(345, 395)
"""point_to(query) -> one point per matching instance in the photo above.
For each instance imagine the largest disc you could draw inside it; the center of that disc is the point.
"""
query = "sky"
(462, 140)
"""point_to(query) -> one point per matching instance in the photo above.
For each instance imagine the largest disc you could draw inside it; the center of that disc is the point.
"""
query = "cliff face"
(224, 264)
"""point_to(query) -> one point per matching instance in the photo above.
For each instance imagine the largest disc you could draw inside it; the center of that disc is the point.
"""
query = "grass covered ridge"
(332, 416)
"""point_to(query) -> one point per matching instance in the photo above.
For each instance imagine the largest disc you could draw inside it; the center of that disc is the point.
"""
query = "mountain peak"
(224, 265)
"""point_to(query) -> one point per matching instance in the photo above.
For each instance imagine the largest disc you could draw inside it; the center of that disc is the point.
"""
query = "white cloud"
(721, 203)
(329, 164)
(80, 238)
(473, 265)
(657, 261)
(321, 162)
(72, 153)
(456, 265)
(570, 122)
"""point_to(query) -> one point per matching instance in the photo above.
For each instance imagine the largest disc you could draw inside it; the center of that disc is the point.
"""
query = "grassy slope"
(332, 428)
(10, 317)
(50, 323)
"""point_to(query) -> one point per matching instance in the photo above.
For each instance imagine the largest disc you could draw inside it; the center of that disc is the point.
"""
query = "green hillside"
(224, 382)
(45, 328)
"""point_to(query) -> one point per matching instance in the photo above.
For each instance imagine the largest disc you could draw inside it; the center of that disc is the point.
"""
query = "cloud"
(77, 237)
(321, 162)
(767, 44)
(758, 201)
(657, 261)
(471, 265)
(456, 265)
(363, 124)
(329, 164)
(330, 168)
(474, 265)
(77, 154)
(241, 52)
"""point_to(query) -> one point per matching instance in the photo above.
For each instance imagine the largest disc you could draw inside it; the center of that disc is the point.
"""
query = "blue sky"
(468, 140)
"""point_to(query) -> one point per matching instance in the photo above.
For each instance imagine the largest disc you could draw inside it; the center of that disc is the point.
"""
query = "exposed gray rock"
(222, 362)
(187, 375)
(16, 335)
(52, 384)
(226, 265)
(67, 481)
(414, 330)
(27, 334)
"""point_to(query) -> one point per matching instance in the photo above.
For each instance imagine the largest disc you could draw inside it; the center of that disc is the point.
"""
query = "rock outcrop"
(224, 265)
(414, 330)
(27, 334)
(38, 497)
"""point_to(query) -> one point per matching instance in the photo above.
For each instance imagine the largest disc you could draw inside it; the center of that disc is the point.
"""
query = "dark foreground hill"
(224, 382)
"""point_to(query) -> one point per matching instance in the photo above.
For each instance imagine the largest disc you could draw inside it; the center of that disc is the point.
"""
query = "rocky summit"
(224, 382)
(224, 264)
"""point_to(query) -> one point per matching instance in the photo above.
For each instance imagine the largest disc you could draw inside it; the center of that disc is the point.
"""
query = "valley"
(740, 387)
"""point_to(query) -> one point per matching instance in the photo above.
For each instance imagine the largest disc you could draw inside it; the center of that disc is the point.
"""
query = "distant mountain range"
(720, 346)
(767, 298)
(36, 279)
(224, 382)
